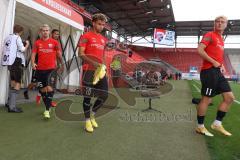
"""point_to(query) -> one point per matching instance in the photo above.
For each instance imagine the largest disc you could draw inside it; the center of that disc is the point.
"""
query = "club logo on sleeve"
(84, 40)
(207, 39)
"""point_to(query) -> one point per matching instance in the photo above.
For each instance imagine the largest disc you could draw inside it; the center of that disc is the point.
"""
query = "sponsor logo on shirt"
(46, 50)
(219, 44)
(94, 40)
(97, 46)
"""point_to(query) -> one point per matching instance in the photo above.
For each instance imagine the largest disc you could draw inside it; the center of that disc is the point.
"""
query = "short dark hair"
(55, 30)
(99, 16)
(17, 29)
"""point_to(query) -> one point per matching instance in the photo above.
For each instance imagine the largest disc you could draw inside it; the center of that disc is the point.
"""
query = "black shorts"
(16, 70)
(44, 77)
(93, 90)
(213, 82)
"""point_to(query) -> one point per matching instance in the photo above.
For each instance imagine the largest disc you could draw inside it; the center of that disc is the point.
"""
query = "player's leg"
(228, 98)
(87, 93)
(16, 76)
(42, 77)
(201, 112)
(102, 95)
(208, 90)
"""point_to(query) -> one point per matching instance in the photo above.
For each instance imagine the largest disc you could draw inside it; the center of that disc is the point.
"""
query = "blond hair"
(223, 17)
(45, 25)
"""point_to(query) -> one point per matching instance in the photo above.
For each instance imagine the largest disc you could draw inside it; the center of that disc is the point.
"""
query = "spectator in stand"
(116, 70)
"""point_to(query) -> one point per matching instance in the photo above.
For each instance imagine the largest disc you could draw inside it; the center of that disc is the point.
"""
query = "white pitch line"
(197, 82)
(196, 88)
(236, 101)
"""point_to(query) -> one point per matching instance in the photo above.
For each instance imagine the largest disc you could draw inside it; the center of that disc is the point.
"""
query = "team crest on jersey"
(50, 45)
(102, 40)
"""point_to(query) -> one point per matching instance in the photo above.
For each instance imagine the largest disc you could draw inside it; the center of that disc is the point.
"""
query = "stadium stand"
(234, 59)
(180, 58)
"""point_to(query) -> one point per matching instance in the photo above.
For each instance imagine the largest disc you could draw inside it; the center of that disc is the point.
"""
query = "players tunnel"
(31, 14)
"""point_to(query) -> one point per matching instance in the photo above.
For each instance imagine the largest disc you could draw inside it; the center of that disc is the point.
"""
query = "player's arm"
(20, 45)
(204, 55)
(82, 54)
(59, 57)
(59, 54)
(60, 60)
(223, 69)
(33, 57)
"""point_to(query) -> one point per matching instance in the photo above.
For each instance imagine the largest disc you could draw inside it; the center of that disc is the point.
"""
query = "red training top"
(94, 44)
(47, 51)
(214, 48)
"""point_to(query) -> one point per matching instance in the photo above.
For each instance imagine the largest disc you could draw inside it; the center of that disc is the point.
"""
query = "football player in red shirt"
(211, 49)
(55, 35)
(33, 83)
(91, 50)
(48, 51)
